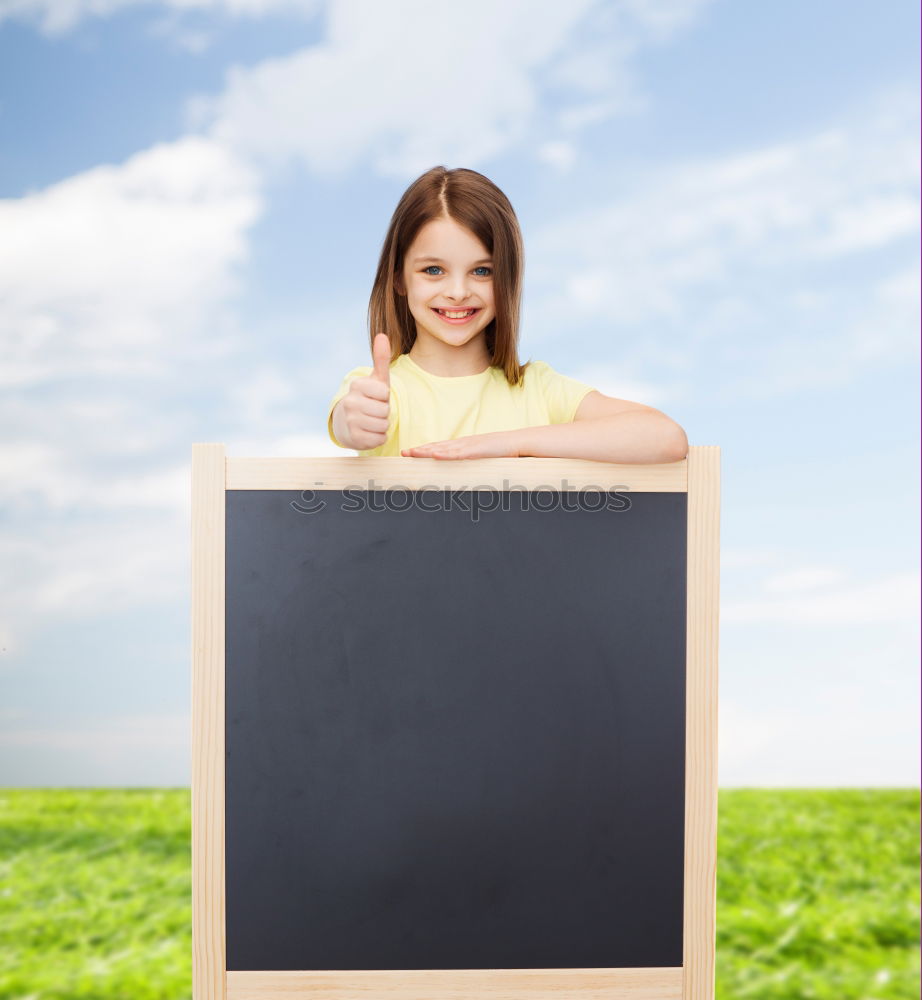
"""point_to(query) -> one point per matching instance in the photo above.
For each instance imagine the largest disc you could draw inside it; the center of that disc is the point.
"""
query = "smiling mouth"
(456, 313)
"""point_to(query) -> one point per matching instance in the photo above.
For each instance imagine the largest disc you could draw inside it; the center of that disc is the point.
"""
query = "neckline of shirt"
(446, 378)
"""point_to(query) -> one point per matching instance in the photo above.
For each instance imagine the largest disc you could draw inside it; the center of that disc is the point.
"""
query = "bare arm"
(607, 429)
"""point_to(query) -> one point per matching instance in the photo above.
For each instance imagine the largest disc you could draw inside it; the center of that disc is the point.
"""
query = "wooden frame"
(212, 475)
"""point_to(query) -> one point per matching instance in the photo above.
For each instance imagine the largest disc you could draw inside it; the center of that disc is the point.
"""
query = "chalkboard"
(454, 725)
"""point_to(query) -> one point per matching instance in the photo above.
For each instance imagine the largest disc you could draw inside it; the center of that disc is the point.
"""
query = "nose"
(457, 289)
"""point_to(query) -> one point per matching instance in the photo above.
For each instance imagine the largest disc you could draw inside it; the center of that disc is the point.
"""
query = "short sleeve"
(562, 394)
(362, 370)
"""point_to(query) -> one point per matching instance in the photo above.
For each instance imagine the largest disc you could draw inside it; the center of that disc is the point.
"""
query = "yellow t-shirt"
(426, 407)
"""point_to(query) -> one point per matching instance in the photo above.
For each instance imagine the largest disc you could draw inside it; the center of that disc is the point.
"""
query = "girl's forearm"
(635, 436)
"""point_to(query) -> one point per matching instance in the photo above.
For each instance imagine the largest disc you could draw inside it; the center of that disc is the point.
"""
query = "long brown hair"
(475, 202)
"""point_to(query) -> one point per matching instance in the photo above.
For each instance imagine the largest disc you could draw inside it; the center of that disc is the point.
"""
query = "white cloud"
(844, 738)
(559, 154)
(114, 293)
(901, 288)
(265, 389)
(747, 735)
(57, 16)
(883, 329)
(741, 256)
(425, 106)
(107, 735)
(102, 542)
(54, 479)
(114, 285)
(124, 750)
(100, 272)
(663, 18)
(872, 222)
(745, 557)
(287, 446)
(802, 579)
(74, 567)
(685, 226)
(128, 273)
(621, 384)
(894, 598)
(659, 19)
(394, 98)
(573, 118)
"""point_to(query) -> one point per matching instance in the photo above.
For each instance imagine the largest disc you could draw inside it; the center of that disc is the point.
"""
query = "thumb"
(381, 353)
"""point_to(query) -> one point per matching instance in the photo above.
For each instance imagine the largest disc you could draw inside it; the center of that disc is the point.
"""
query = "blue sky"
(720, 205)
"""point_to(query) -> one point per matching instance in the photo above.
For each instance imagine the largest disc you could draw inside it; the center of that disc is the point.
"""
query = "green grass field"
(817, 894)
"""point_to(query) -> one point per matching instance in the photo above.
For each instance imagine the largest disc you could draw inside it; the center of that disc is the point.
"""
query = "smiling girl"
(446, 380)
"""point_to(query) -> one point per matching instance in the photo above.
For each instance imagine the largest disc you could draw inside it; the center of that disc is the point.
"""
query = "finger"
(374, 407)
(381, 352)
(377, 425)
(371, 388)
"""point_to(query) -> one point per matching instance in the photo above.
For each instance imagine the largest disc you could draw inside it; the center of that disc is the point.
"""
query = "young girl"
(446, 380)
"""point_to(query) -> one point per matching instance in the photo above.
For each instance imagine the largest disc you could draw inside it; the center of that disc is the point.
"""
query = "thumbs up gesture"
(361, 417)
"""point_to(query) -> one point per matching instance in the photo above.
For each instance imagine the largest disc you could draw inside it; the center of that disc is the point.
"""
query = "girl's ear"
(398, 284)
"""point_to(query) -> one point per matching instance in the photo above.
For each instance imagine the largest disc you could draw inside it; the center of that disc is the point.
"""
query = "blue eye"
(428, 270)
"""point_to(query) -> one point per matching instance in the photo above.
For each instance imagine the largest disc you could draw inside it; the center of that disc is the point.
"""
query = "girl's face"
(447, 271)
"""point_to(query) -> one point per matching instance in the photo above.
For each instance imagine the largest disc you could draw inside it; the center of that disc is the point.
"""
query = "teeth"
(455, 315)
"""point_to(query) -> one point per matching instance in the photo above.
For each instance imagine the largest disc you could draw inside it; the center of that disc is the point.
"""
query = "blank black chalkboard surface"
(454, 727)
